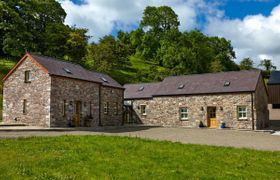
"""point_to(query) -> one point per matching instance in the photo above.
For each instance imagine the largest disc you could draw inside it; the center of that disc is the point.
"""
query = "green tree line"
(38, 27)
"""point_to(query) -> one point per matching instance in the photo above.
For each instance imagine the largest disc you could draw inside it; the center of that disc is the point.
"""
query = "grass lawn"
(102, 157)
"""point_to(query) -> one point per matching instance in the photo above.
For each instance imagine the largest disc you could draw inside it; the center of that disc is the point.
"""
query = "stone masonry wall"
(71, 91)
(114, 98)
(36, 93)
(165, 110)
(261, 106)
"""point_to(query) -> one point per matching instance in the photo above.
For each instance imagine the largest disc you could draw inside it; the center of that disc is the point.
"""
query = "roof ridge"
(214, 73)
(57, 59)
(158, 82)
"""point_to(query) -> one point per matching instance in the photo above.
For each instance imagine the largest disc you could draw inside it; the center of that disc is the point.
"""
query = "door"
(78, 113)
(212, 120)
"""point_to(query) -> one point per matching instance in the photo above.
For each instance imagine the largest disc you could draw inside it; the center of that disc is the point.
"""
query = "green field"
(108, 157)
(5, 66)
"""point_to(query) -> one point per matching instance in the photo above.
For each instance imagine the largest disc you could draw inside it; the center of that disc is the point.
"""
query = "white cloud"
(102, 17)
(254, 36)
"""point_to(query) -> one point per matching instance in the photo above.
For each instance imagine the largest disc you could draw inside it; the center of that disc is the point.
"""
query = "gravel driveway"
(217, 137)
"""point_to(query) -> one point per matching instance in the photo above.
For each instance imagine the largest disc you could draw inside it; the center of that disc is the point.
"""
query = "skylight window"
(181, 86)
(227, 83)
(67, 70)
(104, 79)
(141, 88)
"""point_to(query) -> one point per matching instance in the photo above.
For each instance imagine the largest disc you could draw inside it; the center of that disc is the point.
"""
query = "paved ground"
(234, 138)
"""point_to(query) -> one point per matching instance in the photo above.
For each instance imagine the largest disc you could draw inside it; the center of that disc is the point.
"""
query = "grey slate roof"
(211, 83)
(133, 91)
(274, 78)
(57, 67)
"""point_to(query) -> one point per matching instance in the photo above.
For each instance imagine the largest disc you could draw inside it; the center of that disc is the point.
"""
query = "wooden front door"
(77, 113)
(211, 115)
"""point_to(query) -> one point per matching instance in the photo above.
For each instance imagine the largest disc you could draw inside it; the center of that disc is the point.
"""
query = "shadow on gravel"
(274, 124)
(119, 129)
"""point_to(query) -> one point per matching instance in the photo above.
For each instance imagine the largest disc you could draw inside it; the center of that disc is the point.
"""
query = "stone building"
(234, 99)
(42, 91)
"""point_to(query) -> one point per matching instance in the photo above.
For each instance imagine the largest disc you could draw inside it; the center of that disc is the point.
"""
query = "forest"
(156, 49)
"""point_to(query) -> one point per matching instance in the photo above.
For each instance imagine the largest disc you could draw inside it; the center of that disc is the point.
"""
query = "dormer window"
(181, 86)
(68, 71)
(27, 77)
(141, 88)
(104, 79)
(227, 83)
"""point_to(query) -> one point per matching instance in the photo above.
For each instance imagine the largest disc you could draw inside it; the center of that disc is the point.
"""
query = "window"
(116, 109)
(275, 106)
(106, 104)
(64, 108)
(242, 112)
(183, 113)
(27, 76)
(24, 106)
(143, 109)
(90, 109)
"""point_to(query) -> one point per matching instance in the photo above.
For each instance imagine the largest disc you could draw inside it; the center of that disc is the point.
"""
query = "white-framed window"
(143, 109)
(24, 111)
(106, 105)
(242, 112)
(27, 76)
(183, 113)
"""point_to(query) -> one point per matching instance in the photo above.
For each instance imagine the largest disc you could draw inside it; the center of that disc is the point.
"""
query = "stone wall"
(113, 97)
(36, 93)
(261, 106)
(73, 91)
(164, 111)
(274, 114)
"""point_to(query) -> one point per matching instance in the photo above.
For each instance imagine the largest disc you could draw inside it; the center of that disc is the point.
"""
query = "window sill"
(184, 119)
(242, 119)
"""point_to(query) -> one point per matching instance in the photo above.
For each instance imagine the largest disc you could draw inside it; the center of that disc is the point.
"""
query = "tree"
(156, 23)
(267, 65)
(107, 54)
(23, 24)
(76, 45)
(159, 19)
(246, 64)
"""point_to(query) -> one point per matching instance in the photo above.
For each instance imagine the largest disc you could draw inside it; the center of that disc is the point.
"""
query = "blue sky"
(253, 26)
(240, 9)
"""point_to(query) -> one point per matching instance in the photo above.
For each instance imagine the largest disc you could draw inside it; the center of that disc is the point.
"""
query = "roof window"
(67, 71)
(141, 88)
(227, 83)
(104, 79)
(181, 86)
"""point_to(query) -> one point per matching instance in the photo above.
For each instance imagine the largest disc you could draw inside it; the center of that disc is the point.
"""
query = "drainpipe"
(123, 108)
(252, 110)
(99, 123)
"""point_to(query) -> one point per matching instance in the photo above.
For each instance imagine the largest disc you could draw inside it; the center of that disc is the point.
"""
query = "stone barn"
(46, 92)
(232, 99)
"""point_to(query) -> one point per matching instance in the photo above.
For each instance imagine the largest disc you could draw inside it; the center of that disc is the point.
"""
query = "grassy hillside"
(5, 66)
(136, 72)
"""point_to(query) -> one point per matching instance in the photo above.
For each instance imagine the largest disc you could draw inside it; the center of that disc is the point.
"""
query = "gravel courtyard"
(217, 137)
